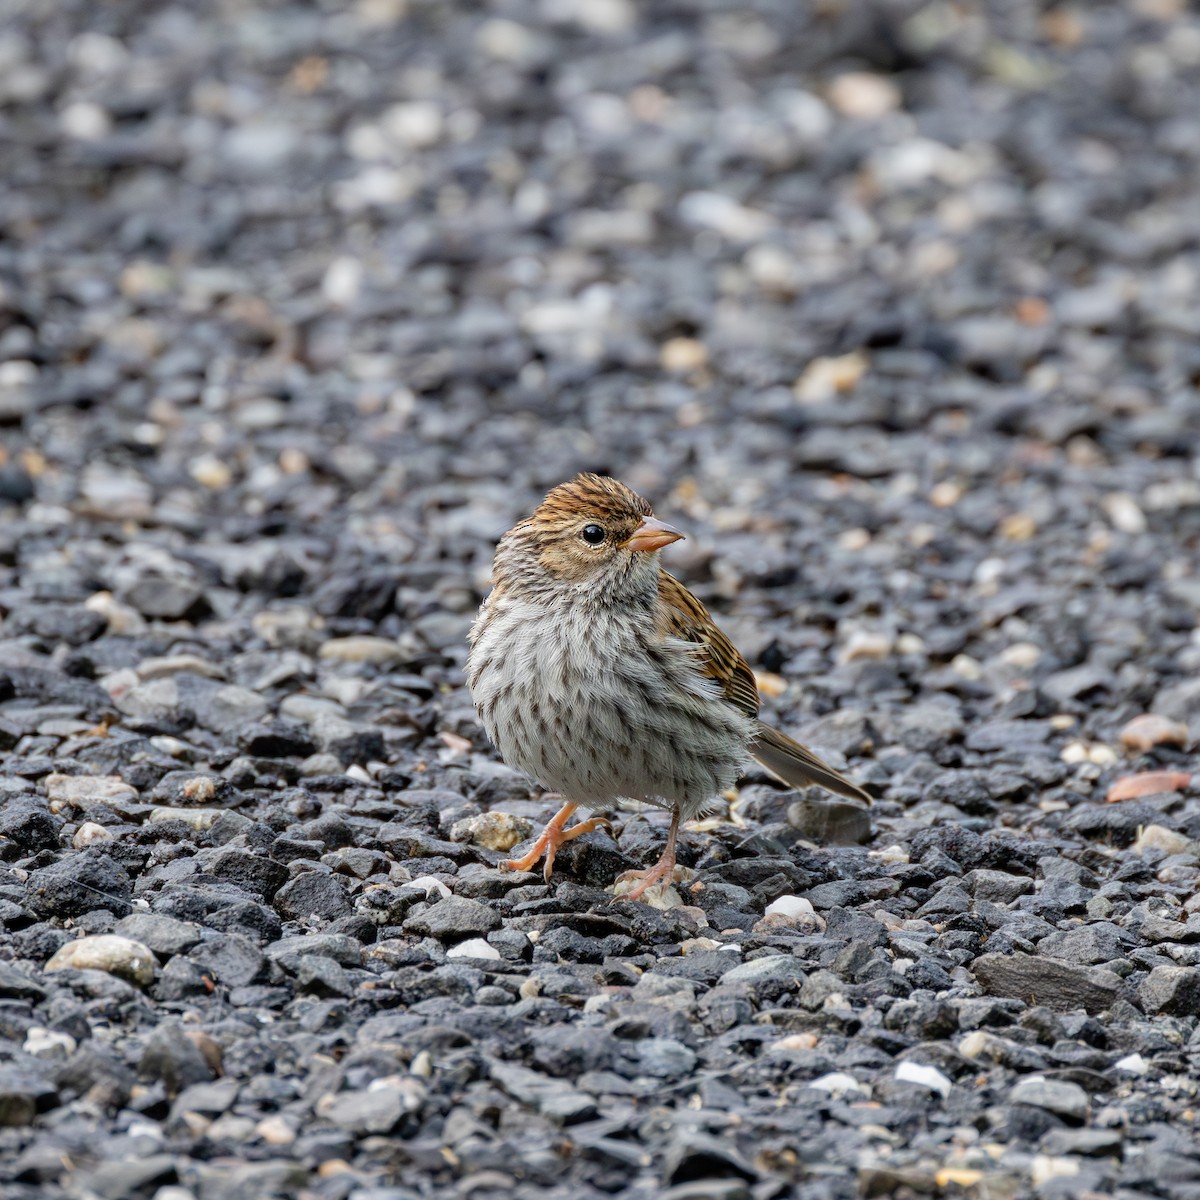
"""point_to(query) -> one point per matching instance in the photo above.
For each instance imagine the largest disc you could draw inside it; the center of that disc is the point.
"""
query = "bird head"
(592, 534)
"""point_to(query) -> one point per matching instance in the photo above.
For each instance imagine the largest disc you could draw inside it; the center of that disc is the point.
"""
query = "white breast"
(600, 708)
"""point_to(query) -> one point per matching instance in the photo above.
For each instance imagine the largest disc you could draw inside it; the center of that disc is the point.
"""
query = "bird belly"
(597, 711)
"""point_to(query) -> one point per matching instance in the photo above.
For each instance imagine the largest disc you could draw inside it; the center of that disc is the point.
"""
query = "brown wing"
(687, 619)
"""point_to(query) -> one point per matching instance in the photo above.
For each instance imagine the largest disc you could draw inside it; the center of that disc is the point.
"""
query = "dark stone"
(169, 599)
(70, 625)
(132, 1177)
(965, 790)
(16, 985)
(321, 976)
(164, 935)
(78, 884)
(830, 821)
(23, 1095)
(255, 921)
(173, 1058)
(254, 872)
(97, 1072)
(312, 894)
(276, 739)
(16, 486)
(44, 686)
(229, 959)
(29, 824)
(1171, 989)
(1058, 985)
(182, 979)
(1097, 943)
(337, 946)
(454, 918)
(689, 1159)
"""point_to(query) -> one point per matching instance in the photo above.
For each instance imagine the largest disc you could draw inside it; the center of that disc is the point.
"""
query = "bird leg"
(661, 872)
(553, 837)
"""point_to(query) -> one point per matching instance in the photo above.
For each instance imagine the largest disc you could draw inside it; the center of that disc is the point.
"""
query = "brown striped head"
(589, 532)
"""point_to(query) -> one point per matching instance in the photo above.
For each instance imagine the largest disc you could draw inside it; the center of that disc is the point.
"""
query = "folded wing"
(686, 618)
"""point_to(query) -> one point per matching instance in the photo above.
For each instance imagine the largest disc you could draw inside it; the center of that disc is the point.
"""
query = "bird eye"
(592, 534)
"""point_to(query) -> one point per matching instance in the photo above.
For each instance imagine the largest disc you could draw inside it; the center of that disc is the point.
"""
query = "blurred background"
(894, 306)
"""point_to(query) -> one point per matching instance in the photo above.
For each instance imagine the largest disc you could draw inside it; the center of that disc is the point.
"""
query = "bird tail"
(798, 766)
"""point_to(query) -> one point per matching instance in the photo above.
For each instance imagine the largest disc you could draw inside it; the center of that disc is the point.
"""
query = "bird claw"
(552, 839)
(663, 872)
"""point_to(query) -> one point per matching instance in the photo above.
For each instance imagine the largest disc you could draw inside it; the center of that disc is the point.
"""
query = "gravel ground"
(892, 306)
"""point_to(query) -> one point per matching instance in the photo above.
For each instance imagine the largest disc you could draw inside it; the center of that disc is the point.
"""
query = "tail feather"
(798, 766)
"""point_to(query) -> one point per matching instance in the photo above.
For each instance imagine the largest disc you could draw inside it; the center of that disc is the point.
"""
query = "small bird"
(601, 676)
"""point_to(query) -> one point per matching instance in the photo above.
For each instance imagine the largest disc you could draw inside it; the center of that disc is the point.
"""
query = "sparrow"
(601, 676)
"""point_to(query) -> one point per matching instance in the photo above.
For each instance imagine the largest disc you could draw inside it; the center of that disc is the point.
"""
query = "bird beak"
(653, 534)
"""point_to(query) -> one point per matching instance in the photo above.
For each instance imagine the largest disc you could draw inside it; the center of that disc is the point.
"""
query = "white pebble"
(343, 281)
(789, 906)
(837, 1083)
(1124, 513)
(88, 833)
(1045, 1167)
(428, 884)
(864, 96)
(48, 1043)
(84, 121)
(865, 644)
(473, 948)
(1158, 837)
(1135, 1064)
(416, 124)
(725, 216)
(120, 956)
(926, 1076)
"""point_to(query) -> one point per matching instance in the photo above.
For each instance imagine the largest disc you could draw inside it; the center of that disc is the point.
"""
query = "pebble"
(49, 1044)
(361, 649)
(454, 917)
(260, 438)
(198, 819)
(378, 1109)
(80, 791)
(682, 355)
(1044, 1167)
(1145, 732)
(1058, 1096)
(1157, 838)
(1147, 783)
(88, 834)
(823, 380)
(1133, 1064)
(492, 830)
(473, 948)
(863, 96)
(116, 955)
(1171, 989)
(837, 1083)
(789, 906)
(1058, 985)
(925, 1076)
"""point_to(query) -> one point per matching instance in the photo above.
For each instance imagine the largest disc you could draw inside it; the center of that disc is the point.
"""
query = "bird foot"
(552, 839)
(662, 872)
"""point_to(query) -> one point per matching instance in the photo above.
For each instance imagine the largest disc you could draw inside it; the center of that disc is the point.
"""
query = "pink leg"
(552, 838)
(662, 870)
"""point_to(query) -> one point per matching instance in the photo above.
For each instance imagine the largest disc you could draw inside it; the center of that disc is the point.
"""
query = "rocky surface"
(891, 305)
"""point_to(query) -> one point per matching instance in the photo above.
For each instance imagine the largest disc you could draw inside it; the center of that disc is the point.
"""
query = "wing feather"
(686, 618)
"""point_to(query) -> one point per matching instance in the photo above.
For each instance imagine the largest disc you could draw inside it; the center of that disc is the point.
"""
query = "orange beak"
(653, 534)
